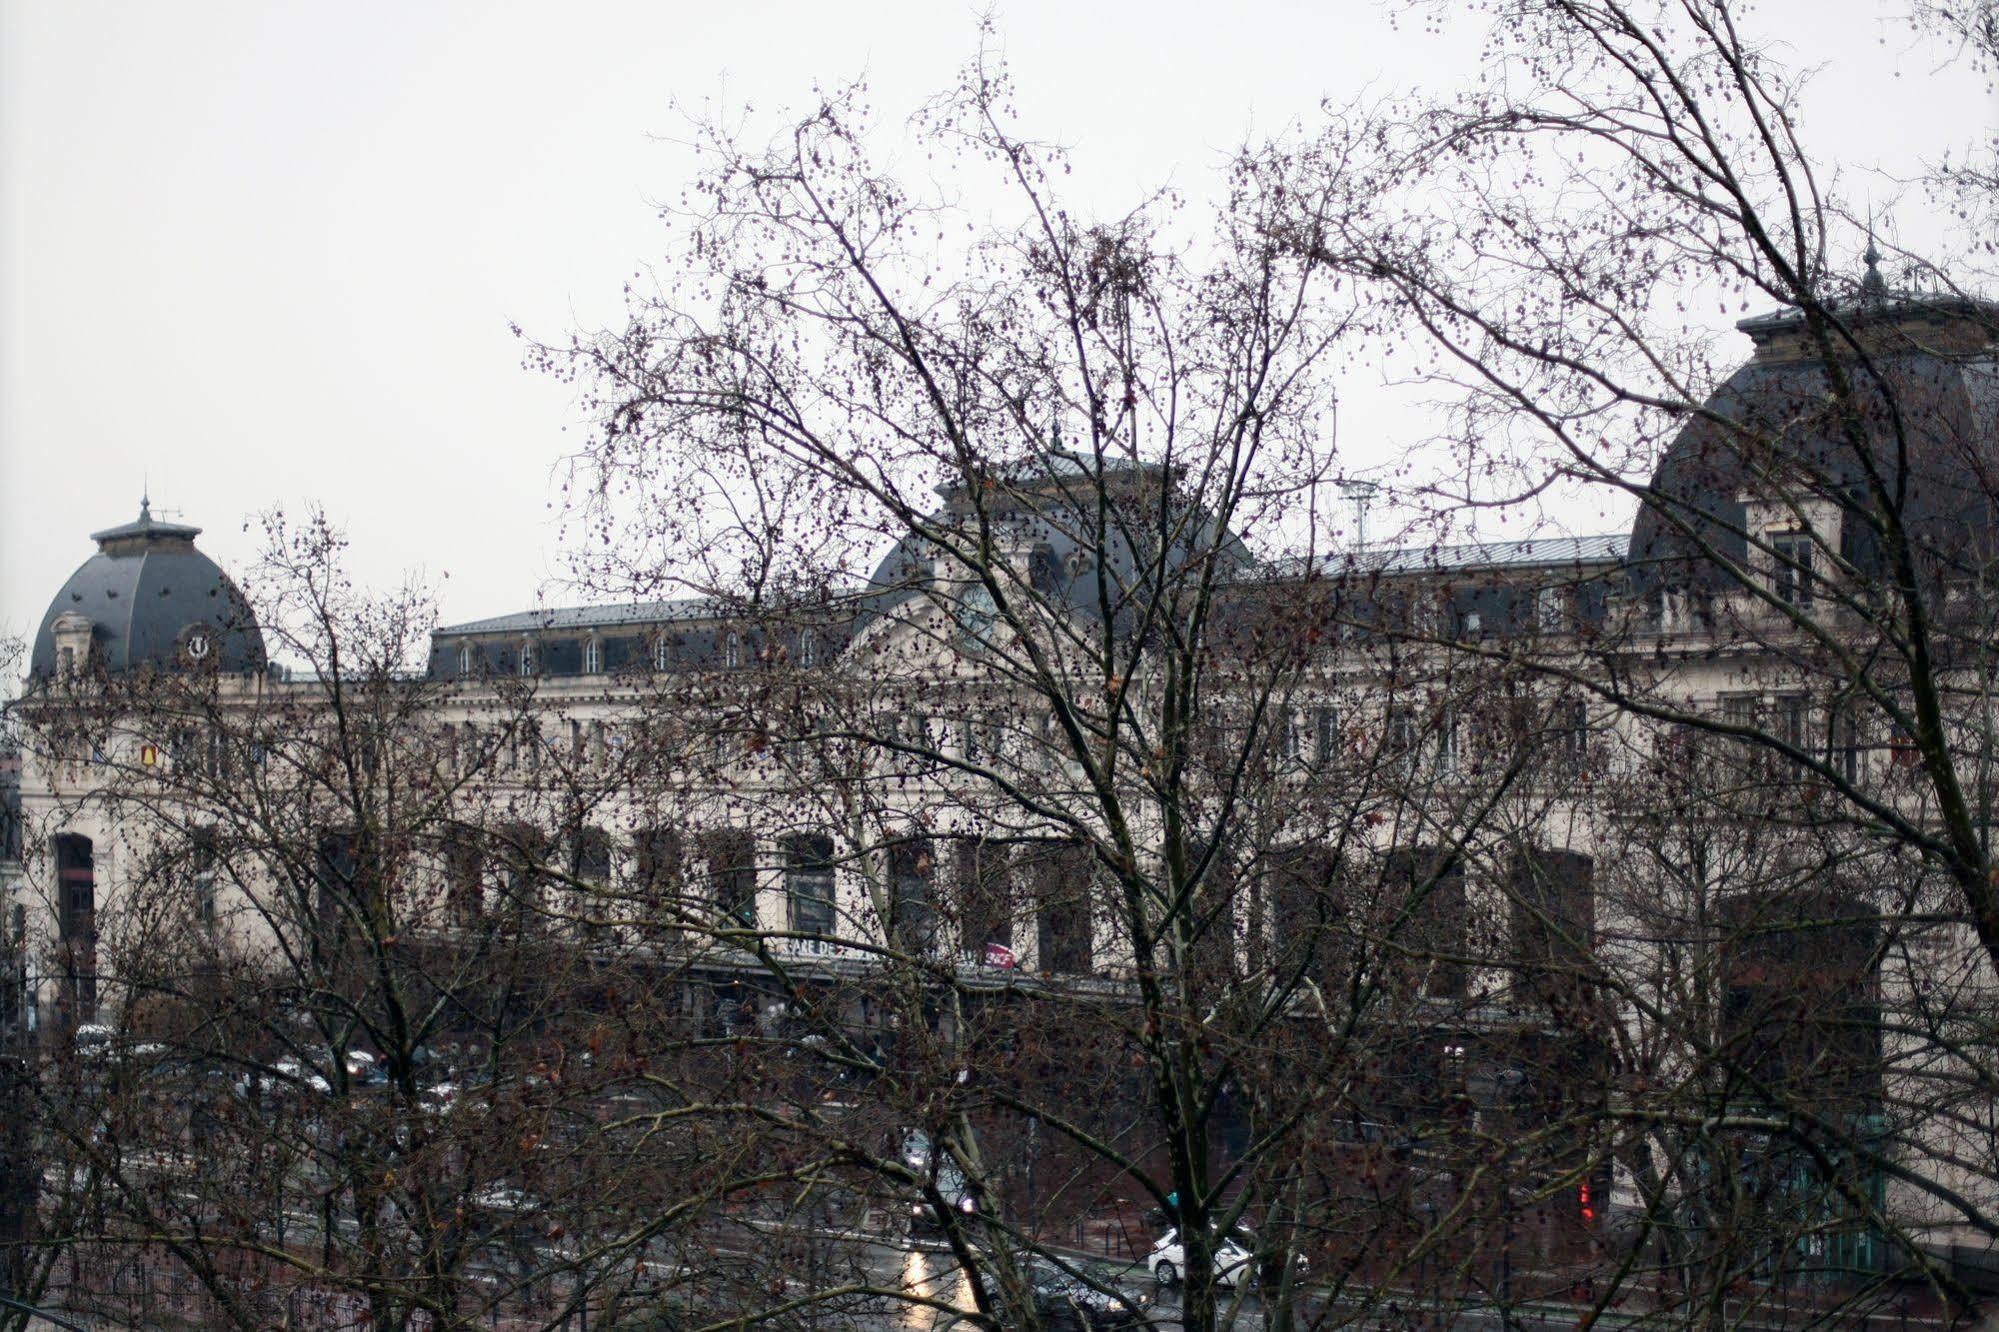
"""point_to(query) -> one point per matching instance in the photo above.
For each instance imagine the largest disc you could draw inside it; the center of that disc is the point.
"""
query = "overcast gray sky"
(267, 253)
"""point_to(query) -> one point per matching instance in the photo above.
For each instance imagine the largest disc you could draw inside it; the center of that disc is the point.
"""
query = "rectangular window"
(524, 856)
(593, 857)
(1791, 720)
(1447, 741)
(202, 857)
(1551, 609)
(1791, 575)
(1741, 709)
(1572, 735)
(1424, 890)
(1400, 737)
(656, 881)
(912, 872)
(1061, 876)
(76, 924)
(1287, 734)
(590, 850)
(1308, 926)
(981, 740)
(1800, 1004)
(1744, 711)
(808, 883)
(731, 854)
(1326, 725)
(77, 884)
(985, 895)
(465, 868)
(1846, 743)
(1552, 897)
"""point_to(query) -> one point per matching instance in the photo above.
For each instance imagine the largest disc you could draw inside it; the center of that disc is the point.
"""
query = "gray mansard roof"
(1922, 414)
(624, 614)
(1557, 552)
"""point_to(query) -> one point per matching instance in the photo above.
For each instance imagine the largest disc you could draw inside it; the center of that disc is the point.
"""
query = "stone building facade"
(1423, 670)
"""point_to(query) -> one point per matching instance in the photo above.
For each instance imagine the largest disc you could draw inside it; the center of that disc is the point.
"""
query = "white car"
(297, 1074)
(441, 1099)
(1168, 1260)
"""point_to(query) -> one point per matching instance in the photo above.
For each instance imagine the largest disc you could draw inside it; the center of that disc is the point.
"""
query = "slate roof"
(1530, 553)
(612, 616)
(144, 591)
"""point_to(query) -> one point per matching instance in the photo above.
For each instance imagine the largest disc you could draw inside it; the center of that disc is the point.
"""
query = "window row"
(539, 654)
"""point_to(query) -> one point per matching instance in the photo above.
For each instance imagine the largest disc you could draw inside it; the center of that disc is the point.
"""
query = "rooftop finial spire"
(1871, 282)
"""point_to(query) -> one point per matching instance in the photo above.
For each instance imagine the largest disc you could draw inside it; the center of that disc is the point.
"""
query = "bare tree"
(1809, 570)
(1089, 699)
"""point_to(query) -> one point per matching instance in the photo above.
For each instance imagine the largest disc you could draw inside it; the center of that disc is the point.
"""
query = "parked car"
(293, 1073)
(1168, 1260)
(440, 1099)
(363, 1069)
(1065, 1301)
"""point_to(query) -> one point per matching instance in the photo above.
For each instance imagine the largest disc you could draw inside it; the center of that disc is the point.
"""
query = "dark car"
(1064, 1301)
(958, 1193)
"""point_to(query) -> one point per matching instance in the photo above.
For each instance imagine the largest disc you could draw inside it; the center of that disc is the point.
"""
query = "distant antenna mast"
(1360, 494)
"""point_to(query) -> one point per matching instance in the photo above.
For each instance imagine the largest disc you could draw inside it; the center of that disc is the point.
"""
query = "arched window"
(465, 659)
(527, 656)
(593, 655)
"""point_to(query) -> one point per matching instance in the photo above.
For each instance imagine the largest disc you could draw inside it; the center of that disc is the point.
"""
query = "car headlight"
(968, 1204)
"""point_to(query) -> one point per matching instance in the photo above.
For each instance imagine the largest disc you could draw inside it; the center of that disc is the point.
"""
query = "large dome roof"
(149, 597)
(1922, 413)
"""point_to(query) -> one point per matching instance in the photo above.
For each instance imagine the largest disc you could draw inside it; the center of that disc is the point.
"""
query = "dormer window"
(1791, 568)
(662, 654)
(808, 648)
(732, 651)
(527, 656)
(72, 636)
(465, 659)
(593, 655)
